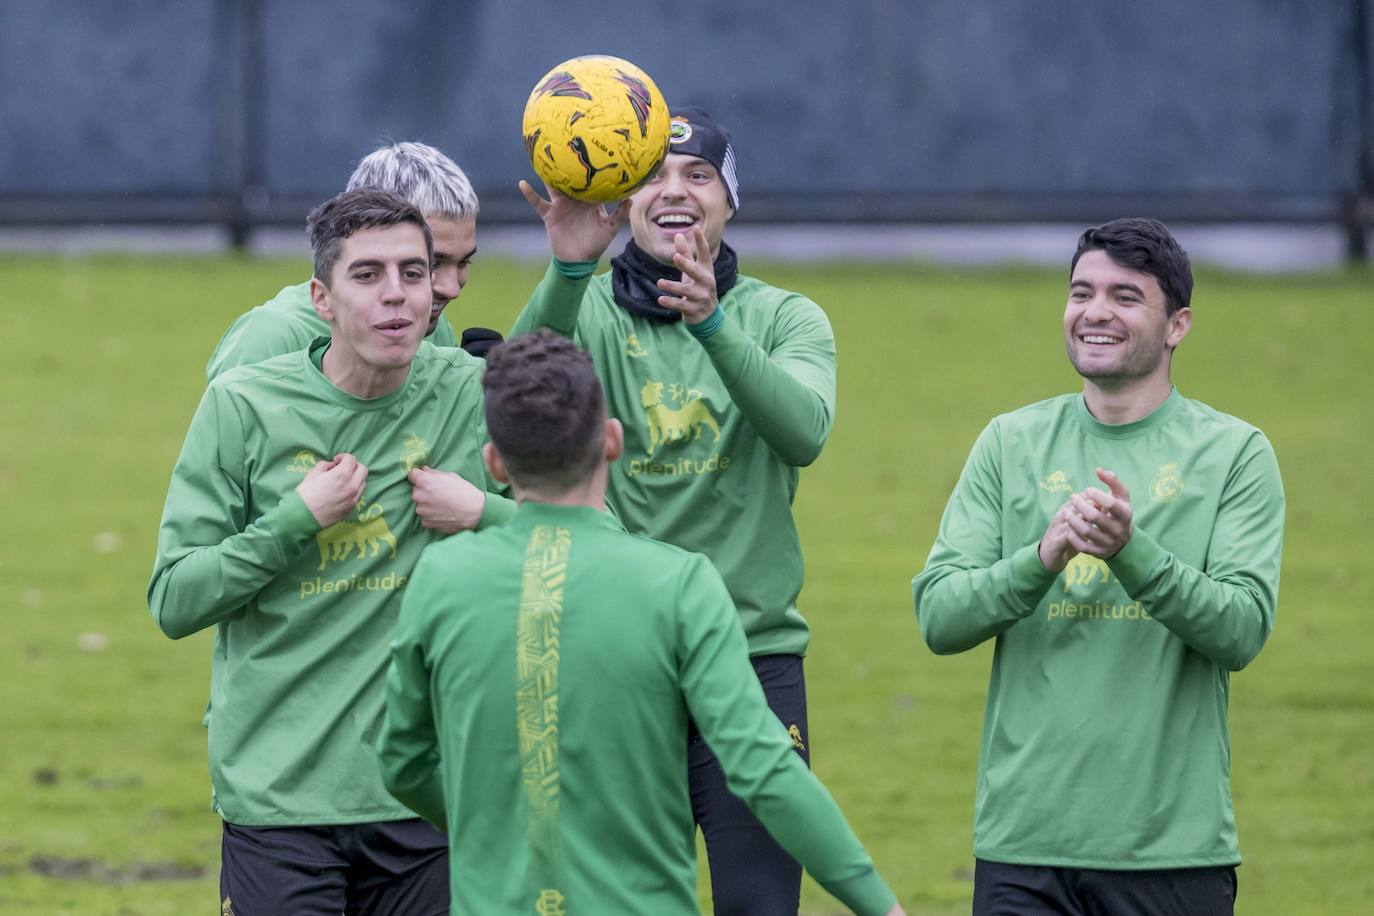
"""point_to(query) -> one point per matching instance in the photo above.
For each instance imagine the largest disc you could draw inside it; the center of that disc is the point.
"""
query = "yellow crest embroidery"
(1167, 484)
(674, 424)
(633, 346)
(1057, 482)
(414, 453)
(795, 734)
(302, 462)
(368, 530)
(226, 908)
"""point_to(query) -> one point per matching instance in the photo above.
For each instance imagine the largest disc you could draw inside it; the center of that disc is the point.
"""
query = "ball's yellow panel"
(596, 128)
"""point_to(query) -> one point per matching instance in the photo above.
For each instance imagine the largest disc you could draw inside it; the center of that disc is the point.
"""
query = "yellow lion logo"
(1085, 570)
(370, 530)
(667, 424)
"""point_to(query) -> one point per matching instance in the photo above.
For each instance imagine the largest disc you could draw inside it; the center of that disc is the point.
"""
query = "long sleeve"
(1225, 610)
(788, 392)
(968, 592)
(408, 745)
(211, 559)
(554, 304)
(726, 702)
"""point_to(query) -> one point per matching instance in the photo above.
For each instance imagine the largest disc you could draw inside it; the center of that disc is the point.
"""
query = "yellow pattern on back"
(536, 693)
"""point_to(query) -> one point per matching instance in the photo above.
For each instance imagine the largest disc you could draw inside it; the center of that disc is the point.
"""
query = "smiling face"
(687, 191)
(1116, 327)
(455, 243)
(378, 304)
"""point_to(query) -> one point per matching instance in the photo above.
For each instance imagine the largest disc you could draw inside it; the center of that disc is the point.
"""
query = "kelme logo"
(634, 348)
(1057, 482)
(679, 131)
(302, 462)
(674, 424)
(1167, 484)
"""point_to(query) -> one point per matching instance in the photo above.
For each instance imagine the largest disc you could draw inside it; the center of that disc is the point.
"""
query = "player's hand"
(332, 489)
(1055, 549)
(695, 294)
(1101, 523)
(445, 501)
(578, 231)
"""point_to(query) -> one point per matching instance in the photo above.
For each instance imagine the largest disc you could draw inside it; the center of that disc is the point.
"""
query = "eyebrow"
(375, 263)
(1128, 287)
(472, 251)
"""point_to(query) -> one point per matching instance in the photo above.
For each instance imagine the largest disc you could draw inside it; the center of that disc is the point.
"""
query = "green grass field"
(104, 808)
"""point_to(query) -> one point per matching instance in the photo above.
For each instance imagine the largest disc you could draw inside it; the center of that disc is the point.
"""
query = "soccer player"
(726, 387)
(289, 528)
(543, 673)
(416, 172)
(1122, 547)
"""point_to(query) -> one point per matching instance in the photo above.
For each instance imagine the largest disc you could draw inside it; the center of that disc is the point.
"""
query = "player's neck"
(590, 493)
(355, 377)
(1126, 403)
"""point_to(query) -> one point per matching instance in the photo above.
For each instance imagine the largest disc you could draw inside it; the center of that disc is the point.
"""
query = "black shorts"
(751, 875)
(1000, 889)
(375, 869)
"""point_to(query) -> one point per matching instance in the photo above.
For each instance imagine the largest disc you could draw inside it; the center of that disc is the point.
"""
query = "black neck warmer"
(635, 276)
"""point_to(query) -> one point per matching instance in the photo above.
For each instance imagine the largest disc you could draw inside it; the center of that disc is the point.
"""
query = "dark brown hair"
(344, 214)
(545, 410)
(1147, 246)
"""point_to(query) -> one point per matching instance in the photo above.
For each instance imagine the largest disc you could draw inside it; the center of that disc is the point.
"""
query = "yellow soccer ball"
(596, 128)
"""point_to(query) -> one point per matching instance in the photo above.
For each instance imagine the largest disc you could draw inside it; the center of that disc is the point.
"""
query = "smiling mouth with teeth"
(1098, 339)
(674, 220)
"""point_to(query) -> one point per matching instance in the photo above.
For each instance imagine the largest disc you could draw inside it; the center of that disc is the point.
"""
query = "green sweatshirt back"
(715, 430)
(1105, 740)
(541, 682)
(284, 324)
(303, 615)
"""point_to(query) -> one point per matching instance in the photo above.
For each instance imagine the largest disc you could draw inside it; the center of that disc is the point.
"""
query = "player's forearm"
(959, 608)
(793, 417)
(1227, 621)
(422, 793)
(497, 510)
(205, 585)
(555, 303)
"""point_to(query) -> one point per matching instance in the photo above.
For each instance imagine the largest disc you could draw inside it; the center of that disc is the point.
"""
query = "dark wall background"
(250, 111)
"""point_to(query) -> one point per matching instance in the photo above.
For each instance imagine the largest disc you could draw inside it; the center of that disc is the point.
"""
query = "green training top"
(285, 323)
(541, 681)
(303, 615)
(1105, 740)
(715, 430)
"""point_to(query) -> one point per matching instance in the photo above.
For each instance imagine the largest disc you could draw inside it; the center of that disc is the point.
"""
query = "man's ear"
(319, 298)
(495, 466)
(615, 440)
(1180, 323)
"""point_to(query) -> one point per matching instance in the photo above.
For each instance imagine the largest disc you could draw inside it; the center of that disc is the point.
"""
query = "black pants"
(377, 869)
(751, 875)
(1033, 890)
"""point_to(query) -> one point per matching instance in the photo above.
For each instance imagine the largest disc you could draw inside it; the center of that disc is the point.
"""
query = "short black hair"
(545, 410)
(344, 214)
(1145, 245)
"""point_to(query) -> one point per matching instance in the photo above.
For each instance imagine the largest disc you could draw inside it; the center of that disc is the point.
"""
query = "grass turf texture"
(105, 806)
